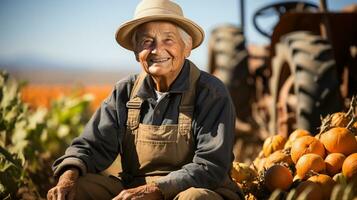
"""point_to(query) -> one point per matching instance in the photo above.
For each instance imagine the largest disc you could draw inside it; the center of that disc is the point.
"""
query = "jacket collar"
(180, 84)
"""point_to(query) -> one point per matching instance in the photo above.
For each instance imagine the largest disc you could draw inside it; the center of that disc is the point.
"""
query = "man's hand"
(144, 192)
(65, 188)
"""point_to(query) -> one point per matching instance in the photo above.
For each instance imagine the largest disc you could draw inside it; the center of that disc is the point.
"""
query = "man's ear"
(187, 53)
(188, 48)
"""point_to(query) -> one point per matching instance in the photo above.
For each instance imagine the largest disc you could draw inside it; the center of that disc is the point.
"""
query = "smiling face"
(160, 50)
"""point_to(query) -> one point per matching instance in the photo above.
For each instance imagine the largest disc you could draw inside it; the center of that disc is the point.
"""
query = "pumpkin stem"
(353, 120)
(351, 111)
(325, 124)
(310, 173)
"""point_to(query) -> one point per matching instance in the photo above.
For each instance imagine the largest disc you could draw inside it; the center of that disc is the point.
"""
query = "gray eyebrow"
(170, 33)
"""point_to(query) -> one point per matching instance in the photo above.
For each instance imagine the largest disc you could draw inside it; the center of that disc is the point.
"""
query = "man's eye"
(147, 42)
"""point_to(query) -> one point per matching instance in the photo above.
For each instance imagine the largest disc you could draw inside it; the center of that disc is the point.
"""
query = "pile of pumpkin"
(304, 166)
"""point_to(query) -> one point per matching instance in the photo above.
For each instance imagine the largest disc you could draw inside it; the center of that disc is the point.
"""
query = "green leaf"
(2, 188)
(20, 146)
(63, 130)
(38, 117)
(9, 157)
(20, 132)
(2, 138)
(4, 165)
(12, 114)
(10, 94)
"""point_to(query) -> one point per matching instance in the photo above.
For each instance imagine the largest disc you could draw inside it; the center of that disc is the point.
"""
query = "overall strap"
(187, 103)
(134, 104)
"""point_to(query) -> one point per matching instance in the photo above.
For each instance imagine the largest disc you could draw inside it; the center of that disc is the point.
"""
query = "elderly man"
(172, 125)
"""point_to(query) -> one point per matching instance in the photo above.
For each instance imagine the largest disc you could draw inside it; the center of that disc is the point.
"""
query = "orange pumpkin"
(339, 140)
(305, 145)
(278, 157)
(310, 189)
(339, 119)
(278, 177)
(273, 143)
(349, 167)
(325, 182)
(294, 135)
(309, 162)
(334, 163)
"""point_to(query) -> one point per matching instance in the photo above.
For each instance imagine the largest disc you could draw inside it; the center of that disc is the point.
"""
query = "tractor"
(308, 70)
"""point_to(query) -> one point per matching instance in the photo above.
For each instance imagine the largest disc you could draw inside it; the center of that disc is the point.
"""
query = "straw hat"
(154, 10)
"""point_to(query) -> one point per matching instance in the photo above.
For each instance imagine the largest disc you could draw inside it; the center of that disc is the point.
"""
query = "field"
(40, 95)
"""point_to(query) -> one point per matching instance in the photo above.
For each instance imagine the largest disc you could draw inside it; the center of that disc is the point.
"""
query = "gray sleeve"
(97, 147)
(214, 137)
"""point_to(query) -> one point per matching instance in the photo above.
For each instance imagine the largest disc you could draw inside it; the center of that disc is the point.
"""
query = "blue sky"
(80, 33)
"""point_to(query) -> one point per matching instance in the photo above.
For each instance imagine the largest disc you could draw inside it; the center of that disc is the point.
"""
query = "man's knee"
(95, 186)
(198, 194)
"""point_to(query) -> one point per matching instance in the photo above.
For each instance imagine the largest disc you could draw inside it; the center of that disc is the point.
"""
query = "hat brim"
(125, 32)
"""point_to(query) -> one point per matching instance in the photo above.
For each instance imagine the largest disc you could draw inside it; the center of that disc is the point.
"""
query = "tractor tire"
(228, 60)
(307, 60)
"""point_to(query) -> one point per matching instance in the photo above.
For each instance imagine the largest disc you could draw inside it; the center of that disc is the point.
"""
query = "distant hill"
(67, 76)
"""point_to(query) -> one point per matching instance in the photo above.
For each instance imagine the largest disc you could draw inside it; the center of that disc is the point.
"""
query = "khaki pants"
(95, 186)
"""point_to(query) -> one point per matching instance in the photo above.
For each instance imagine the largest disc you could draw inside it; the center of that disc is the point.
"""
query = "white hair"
(186, 38)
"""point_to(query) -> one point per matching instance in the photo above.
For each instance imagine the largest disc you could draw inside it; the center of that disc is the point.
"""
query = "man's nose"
(156, 48)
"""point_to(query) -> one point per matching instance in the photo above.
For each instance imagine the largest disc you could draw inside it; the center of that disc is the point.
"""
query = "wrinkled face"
(160, 49)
